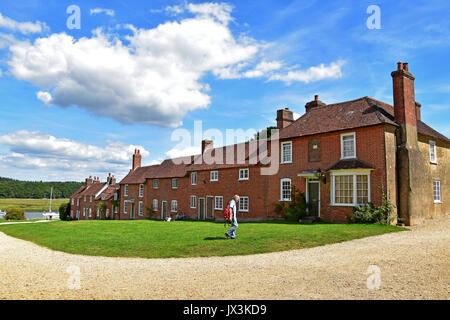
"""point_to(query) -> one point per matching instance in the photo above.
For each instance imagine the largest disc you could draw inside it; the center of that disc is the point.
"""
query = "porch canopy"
(314, 174)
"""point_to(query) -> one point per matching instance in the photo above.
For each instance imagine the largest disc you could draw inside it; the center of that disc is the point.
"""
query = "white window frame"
(216, 207)
(155, 183)
(103, 196)
(433, 151)
(174, 183)
(281, 189)
(90, 212)
(85, 198)
(283, 144)
(90, 199)
(241, 202)
(174, 208)
(125, 191)
(354, 145)
(155, 205)
(214, 175)
(193, 177)
(141, 191)
(355, 191)
(125, 207)
(242, 177)
(78, 202)
(107, 213)
(141, 209)
(193, 204)
(437, 191)
(73, 201)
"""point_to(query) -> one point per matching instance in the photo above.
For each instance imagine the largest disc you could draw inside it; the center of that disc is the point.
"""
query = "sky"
(80, 92)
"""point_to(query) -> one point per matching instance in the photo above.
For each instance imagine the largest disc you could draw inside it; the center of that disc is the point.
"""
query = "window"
(314, 153)
(78, 202)
(84, 212)
(193, 178)
(243, 174)
(350, 189)
(98, 212)
(155, 205)
(125, 191)
(214, 176)
(107, 213)
(286, 152)
(285, 187)
(90, 199)
(90, 212)
(174, 206)
(103, 196)
(72, 201)
(141, 208)
(125, 207)
(155, 183)
(84, 198)
(243, 204)
(193, 202)
(115, 209)
(218, 203)
(174, 183)
(115, 196)
(433, 156)
(437, 191)
(348, 145)
(141, 190)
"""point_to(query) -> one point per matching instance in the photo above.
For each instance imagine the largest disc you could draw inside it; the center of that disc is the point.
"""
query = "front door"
(163, 210)
(209, 207)
(132, 215)
(314, 198)
(201, 208)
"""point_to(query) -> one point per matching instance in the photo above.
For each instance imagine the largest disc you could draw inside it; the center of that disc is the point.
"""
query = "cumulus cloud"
(33, 150)
(315, 73)
(151, 76)
(22, 27)
(108, 12)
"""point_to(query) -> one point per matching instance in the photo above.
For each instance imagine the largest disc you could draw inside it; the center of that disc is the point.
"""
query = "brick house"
(84, 203)
(339, 155)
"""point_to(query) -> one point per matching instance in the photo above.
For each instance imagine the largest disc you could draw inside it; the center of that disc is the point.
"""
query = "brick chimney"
(284, 118)
(207, 144)
(405, 110)
(89, 181)
(313, 104)
(113, 180)
(136, 159)
(418, 106)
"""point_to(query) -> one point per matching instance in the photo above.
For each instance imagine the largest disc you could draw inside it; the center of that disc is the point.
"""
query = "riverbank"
(31, 205)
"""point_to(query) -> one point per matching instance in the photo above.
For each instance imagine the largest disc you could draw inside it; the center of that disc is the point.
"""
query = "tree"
(296, 208)
(64, 211)
(15, 214)
(102, 209)
(267, 132)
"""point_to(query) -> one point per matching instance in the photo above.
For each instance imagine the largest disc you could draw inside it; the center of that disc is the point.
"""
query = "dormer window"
(348, 145)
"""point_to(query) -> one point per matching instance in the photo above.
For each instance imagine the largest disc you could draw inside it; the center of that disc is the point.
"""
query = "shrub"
(368, 213)
(295, 209)
(64, 211)
(15, 214)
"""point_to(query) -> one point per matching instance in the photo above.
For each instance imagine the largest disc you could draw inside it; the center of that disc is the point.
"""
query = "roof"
(351, 164)
(78, 192)
(362, 112)
(92, 189)
(109, 192)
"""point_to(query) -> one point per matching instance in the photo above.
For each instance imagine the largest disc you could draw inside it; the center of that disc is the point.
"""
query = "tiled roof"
(77, 193)
(351, 164)
(109, 192)
(426, 130)
(93, 189)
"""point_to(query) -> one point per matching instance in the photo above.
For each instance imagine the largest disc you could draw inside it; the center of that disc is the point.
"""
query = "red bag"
(228, 214)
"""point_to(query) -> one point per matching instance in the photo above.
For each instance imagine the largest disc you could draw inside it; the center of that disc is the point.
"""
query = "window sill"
(243, 210)
(435, 162)
(286, 162)
(243, 179)
(437, 201)
(286, 200)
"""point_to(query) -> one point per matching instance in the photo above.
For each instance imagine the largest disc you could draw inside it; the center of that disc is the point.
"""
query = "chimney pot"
(405, 66)
(399, 66)
(316, 97)
(207, 144)
(284, 118)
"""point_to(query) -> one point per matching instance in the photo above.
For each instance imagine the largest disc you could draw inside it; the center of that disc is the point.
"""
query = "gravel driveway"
(413, 265)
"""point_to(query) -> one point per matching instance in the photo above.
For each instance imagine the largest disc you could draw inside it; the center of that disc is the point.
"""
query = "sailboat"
(50, 215)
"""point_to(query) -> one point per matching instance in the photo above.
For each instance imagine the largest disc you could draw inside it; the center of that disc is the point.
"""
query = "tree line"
(10, 188)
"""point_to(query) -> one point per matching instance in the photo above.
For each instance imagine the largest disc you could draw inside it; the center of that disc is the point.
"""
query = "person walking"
(231, 234)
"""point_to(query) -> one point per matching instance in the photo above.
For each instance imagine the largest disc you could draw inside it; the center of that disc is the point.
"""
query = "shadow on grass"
(215, 238)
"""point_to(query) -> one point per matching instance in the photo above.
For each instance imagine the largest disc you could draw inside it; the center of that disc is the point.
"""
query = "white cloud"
(108, 12)
(187, 151)
(44, 97)
(22, 27)
(315, 73)
(49, 155)
(177, 9)
(152, 76)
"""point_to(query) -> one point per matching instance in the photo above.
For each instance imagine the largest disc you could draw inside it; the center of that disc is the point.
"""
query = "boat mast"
(51, 196)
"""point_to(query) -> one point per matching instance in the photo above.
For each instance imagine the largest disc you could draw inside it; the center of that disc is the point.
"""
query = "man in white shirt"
(231, 234)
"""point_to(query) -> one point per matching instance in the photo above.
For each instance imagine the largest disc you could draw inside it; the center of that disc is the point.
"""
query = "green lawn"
(31, 205)
(159, 239)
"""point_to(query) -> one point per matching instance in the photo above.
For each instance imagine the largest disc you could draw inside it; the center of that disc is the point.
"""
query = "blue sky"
(76, 102)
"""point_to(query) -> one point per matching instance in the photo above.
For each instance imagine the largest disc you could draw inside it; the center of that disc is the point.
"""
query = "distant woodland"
(10, 188)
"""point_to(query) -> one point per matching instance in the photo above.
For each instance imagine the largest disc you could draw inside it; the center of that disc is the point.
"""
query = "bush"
(295, 209)
(368, 213)
(64, 212)
(15, 214)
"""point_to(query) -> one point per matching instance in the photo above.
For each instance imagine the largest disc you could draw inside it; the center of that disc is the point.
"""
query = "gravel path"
(413, 265)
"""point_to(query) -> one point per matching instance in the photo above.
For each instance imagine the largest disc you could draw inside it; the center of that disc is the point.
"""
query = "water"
(34, 215)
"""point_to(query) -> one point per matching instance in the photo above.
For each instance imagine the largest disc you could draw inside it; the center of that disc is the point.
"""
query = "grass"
(31, 205)
(159, 239)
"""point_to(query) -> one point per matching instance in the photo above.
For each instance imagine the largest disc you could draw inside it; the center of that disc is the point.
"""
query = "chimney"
(88, 181)
(136, 159)
(207, 144)
(418, 106)
(405, 110)
(284, 118)
(113, 180)
(108, 179)
(313, 104)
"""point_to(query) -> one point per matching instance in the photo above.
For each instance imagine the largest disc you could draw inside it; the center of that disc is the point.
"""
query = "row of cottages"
(96, 200)
(339, 155)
